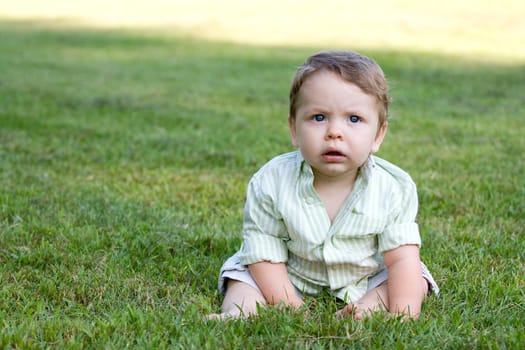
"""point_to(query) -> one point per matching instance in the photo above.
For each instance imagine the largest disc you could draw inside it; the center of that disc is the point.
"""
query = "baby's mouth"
(334, 156)
(334, 153)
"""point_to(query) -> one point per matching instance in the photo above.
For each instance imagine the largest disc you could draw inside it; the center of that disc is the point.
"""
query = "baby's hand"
(354, 311)
(294, 303)
(297, 302)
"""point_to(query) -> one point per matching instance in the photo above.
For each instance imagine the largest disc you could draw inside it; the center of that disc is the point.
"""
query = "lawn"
(124, 159)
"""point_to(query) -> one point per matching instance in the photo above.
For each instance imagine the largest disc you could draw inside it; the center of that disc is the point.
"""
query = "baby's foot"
(224, 316)
(214, 317)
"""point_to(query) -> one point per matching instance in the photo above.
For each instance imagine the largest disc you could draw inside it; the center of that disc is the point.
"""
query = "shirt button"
(309, 200)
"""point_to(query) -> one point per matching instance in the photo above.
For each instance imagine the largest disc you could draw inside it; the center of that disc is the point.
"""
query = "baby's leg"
(374, 300)
(240, 300)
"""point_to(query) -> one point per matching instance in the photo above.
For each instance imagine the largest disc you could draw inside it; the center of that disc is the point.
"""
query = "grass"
(124, 162)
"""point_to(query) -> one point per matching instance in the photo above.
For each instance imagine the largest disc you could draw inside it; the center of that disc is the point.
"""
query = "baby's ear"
(293, 133)
(381, 132)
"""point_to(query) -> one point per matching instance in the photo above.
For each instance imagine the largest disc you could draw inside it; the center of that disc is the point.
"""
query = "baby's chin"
(335, 170)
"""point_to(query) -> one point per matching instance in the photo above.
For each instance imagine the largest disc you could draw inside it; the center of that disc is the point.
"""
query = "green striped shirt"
(286, 221)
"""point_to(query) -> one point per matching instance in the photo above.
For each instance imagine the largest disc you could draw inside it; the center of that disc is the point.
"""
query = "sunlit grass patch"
(484, 31)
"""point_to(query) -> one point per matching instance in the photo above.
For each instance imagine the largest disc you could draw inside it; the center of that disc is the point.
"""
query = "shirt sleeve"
(402, 228)
(264, 232)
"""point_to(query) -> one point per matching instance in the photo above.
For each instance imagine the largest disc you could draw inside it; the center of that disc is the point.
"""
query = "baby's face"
(336, 126)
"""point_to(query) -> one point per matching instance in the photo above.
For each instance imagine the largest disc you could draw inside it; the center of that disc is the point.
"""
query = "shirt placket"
(331, 254)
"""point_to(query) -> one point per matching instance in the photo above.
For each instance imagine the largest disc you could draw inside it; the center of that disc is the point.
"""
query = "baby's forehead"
(327, 76)
(329, 79)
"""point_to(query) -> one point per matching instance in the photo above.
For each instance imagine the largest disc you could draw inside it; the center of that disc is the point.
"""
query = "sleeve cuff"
(398, 235)
(257, 248)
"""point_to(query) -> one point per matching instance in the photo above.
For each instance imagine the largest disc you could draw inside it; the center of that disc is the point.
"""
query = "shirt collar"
(367, 169)
(303, 166)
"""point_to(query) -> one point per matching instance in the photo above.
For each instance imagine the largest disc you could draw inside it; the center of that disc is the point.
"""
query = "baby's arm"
(274, 283)
(405, 288)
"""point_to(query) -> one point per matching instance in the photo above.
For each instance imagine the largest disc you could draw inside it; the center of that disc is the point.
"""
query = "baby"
(331, 215)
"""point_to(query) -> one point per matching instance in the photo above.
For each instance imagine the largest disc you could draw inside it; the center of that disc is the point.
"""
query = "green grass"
(124, 159)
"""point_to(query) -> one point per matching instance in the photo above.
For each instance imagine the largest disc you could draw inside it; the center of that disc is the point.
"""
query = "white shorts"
(232, 269)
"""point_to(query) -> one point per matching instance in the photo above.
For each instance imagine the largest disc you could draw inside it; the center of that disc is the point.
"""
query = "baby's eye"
(354, 119)
(318, 118)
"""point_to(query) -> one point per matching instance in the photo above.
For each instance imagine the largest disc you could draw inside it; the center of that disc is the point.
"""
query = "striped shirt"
(285, 221)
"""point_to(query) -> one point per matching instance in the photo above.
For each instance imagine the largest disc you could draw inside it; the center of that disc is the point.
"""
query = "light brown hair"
(350, 66)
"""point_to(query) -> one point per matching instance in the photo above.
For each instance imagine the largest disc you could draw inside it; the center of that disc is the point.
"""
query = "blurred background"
(484, 30)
